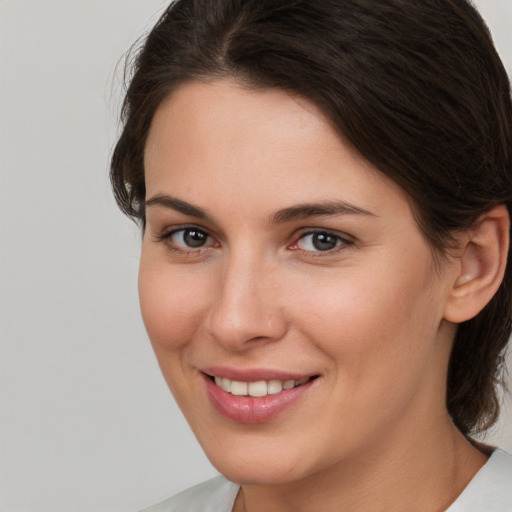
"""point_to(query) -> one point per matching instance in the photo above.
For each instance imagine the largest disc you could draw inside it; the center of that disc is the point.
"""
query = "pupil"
(324, 242)
(194, 238)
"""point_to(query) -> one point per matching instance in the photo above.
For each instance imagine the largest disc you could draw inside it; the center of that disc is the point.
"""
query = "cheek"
(172, 303)
(370, 324)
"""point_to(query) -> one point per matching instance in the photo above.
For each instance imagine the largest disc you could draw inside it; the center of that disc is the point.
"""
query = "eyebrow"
(176, 204)
(303, 211)
(297, 212)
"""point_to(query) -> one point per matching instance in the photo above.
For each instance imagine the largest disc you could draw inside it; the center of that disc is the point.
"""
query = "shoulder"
(215, 495)
(491, 488)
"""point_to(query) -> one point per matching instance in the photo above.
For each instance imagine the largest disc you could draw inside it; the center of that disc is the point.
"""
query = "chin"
(268, 474)
(265, 467)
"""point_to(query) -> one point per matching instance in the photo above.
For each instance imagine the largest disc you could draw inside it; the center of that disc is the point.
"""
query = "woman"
(324, 190)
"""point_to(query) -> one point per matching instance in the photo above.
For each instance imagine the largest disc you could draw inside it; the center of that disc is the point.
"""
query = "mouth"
(253, 396)
(260, 388)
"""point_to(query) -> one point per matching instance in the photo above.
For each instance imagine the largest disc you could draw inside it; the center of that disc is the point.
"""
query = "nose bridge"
(245, 308)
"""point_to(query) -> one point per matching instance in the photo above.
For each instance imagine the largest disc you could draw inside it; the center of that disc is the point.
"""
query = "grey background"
(86, 421)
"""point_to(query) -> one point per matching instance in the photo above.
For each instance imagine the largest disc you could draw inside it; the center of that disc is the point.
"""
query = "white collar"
(490, 490)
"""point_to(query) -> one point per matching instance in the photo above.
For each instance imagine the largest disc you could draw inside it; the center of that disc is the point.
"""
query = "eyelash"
(342, 242)
(167, 237)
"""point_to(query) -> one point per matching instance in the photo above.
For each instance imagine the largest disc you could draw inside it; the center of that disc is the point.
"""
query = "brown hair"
(415, 85)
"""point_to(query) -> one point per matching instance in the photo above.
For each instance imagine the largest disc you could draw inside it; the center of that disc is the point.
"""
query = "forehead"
(219, 145)
(228, 113)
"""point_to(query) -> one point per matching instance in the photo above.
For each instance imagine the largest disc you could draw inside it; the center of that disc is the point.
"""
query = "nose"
(246, 310)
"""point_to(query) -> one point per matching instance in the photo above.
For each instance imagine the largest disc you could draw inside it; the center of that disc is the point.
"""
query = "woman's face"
(279, 261)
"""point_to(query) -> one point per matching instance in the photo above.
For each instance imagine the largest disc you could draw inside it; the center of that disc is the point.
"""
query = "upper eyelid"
(345, 240)
(166, 235)
(166, 232)
(295, 237)
(333, 232)
(297, 233)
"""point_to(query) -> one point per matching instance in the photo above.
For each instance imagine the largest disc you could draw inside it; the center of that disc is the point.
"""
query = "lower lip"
(252, 410)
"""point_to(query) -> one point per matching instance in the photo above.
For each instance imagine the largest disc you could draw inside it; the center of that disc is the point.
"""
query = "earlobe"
(482, 259)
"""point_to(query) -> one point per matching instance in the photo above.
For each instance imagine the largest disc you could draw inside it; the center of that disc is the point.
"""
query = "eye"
(320, 241)
(188, 239)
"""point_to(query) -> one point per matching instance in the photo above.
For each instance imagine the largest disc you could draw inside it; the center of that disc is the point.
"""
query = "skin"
(369, 316)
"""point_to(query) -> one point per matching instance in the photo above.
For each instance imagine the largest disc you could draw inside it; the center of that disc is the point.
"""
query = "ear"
(482, 262)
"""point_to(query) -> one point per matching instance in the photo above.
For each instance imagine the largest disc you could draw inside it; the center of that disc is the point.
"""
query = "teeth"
(226, 385)
(259, 388)
(288, 384)
(274, 386)
(239, 388)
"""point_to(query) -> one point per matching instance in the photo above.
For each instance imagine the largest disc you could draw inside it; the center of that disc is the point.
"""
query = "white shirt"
(490, 490)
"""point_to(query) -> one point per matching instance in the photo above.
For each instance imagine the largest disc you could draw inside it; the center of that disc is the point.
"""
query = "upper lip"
(253, 374)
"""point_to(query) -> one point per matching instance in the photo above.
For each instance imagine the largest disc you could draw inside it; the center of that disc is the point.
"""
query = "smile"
(259, 388)
(257, 399)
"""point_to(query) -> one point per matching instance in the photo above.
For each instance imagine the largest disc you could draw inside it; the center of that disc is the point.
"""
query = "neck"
(438, 468)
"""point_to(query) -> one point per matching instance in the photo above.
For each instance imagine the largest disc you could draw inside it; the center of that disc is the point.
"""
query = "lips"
(258, 388)
(254, 397)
